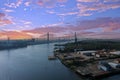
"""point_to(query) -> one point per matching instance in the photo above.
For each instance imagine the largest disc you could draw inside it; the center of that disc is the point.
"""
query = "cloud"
(104, 23)
(54, 25)
(51, 11)
(83, 28)
(62, 5)
(26, 22)
(49, 3)
(3, 37)
(7, 10)
(68, 14)
(42, 30)
(87, 0)
(105, 35)
(34, 35)
(14, 5)
(63, 14)
(41, 3)
(19, 2)
(2, 15)
(4, 20)
(112, 26)
(62, 1)
(27, 3)
(96, 6)
(105, 27)
(14, 35)
(111, 0)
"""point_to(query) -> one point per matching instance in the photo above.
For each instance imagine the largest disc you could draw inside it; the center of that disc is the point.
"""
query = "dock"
(91, 71)
(52, 58)
(88, 69)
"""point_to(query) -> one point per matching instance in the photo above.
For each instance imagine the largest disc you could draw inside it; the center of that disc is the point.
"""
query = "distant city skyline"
(23, 19)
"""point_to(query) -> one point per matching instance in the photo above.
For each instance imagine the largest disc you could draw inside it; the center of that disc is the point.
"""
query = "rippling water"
(32, 63)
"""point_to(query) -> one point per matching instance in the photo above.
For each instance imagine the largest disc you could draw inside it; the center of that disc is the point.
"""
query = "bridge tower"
(48, 37)
(75, 37)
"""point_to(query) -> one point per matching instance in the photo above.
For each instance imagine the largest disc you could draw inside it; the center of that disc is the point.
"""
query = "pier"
(52, 58)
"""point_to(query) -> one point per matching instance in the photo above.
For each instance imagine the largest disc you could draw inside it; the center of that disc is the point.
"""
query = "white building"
(115, 52)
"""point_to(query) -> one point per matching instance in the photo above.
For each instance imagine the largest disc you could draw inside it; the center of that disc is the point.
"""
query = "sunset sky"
(21, 19)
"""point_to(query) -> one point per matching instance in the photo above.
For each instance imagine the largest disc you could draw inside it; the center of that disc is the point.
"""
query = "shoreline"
(100, 75)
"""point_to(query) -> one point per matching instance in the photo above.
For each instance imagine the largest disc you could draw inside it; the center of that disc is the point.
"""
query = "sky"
(24, 19)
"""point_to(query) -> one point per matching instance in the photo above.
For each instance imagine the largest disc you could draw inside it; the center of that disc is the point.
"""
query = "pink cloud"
(47, 3)
(95, 6)
(105, 35)
(50, 3)
(14, 35)
(4, 20)
(87, 0)
(40, 3)
(2, 15)
(48, 29)
(107, 25)
(19, 2)
(112, 26)
(85, 29)
(104, 23)
(27, 3)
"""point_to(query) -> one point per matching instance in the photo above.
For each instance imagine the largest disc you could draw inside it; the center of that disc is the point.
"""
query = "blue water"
(32, 63)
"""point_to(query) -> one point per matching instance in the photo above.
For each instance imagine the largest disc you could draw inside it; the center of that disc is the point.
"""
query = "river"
(32, 63)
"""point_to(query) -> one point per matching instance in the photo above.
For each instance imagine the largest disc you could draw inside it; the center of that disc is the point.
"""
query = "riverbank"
(13, 44)
(88, 68)
(90, 59)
